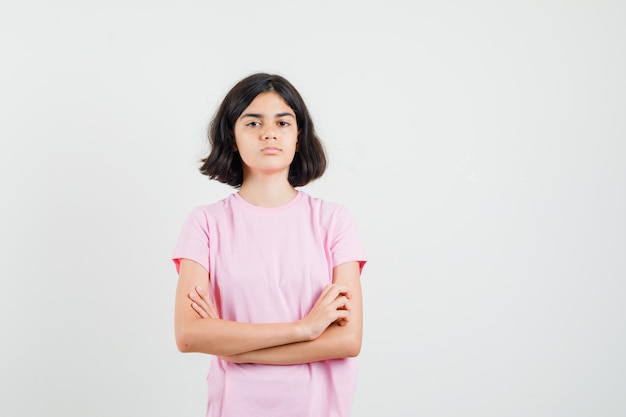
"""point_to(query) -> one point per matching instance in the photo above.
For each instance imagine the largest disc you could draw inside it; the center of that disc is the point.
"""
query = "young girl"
(269, 277)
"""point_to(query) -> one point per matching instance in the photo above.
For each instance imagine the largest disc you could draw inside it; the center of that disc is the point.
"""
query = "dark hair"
(225, 165)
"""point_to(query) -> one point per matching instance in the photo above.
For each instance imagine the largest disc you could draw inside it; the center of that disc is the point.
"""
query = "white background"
(480, 146)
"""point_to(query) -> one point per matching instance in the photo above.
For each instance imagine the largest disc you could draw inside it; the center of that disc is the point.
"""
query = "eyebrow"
(259, 116)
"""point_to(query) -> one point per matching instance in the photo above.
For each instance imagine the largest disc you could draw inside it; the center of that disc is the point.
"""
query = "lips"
(271, 150)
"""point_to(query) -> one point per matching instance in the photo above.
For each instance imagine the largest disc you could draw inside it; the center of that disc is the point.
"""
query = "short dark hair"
(224, 164)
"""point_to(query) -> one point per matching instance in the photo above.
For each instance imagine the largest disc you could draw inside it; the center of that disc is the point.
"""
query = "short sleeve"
(193, 241)
(346, 245)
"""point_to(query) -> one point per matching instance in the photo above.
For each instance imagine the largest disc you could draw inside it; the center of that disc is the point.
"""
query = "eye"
(253, 124)
(283, 123)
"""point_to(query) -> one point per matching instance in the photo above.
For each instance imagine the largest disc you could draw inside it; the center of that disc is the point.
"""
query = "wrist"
(302, 333)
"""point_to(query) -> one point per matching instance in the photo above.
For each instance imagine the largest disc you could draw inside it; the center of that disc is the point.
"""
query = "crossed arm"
(332, 329)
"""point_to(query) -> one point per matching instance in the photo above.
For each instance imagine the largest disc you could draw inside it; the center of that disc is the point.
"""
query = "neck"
(264, 192)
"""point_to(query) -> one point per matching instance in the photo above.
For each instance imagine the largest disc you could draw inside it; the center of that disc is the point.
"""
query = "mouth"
(271, 150)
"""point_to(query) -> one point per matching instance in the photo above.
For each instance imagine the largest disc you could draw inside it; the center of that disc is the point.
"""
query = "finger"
(341, 303)
(203, 294)
(197, 299)
(199, 310)
(207, 307)
(325, 291)
(203, 299)
(340, 290)
(212, 311)
(342, 316)
(331, 292)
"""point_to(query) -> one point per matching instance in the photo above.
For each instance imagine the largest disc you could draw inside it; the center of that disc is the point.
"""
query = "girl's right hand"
(201, 303)
(333, 305)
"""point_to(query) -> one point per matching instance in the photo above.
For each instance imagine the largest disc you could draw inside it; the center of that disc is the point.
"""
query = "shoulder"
(319, 203)
(215, 207)
(206, 213)
(330, 210)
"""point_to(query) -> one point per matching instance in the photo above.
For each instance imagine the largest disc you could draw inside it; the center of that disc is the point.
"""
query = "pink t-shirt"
(270, 265)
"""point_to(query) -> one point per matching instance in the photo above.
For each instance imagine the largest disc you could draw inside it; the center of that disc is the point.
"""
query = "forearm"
(198, 327)
(336, 342)
(212, 335)
(225, 338)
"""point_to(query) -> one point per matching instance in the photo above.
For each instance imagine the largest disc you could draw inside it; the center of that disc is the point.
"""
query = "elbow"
(353, 350)
(353, 346)
(192, 339)
(349, 341)
(183, 341)
(183, 347)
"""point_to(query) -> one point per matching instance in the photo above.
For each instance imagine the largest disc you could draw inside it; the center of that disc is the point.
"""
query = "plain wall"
(480, 146)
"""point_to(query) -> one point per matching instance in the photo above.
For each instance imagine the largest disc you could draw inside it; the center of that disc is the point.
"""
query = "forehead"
(268, 101)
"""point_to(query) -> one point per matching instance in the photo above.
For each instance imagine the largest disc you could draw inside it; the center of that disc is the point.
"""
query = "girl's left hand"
(202, 305)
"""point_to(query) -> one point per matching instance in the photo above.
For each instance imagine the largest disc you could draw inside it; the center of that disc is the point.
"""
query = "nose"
(269, 133)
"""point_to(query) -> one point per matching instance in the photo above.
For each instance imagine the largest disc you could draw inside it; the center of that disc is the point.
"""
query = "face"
(266, 135)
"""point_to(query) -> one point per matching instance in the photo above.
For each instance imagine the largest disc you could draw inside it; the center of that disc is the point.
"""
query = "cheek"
(242, 141)
(291, 148)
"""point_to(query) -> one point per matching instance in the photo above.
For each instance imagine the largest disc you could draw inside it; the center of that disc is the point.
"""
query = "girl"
(269, 277)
